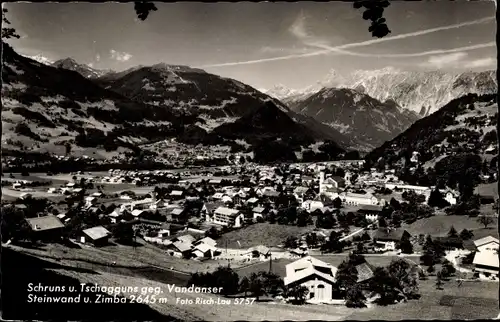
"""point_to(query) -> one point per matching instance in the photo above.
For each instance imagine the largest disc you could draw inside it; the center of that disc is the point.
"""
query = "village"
(293, 217)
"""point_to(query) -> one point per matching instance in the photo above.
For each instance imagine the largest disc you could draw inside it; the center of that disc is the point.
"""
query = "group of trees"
(257, 284)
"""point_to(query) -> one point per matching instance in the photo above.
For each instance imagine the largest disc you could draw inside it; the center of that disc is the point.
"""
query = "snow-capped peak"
(41, 59)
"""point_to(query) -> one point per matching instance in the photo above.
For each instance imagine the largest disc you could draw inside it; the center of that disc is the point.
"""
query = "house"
(260, 251)
(47, 228)
(187, 239)
(203, 250)
(252, 201)
(356, 199)
(176, 194)
(136, 212)
(365, 272)
(312, 205)
(388, 235)
(316, 275)
(419, 190)
(98, 236)
(227, 217)
(387, 239)
(486, 256)
(206, 240)
(371, 212)
(180, 249)
(451, 197)
(258, 212)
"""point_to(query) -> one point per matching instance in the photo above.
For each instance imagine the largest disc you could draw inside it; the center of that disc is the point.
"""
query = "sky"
(261, 44)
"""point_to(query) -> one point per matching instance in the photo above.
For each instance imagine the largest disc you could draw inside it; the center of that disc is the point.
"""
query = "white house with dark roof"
(486, 256)
(227, 217)
(316, 275)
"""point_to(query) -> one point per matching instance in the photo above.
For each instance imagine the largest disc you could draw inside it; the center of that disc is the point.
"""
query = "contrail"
(354, 45)
(420, 54)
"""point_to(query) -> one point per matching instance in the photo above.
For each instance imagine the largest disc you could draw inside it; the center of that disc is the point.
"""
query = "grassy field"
(440, 225)
(261, 234)
(473, 300)
(487, 189)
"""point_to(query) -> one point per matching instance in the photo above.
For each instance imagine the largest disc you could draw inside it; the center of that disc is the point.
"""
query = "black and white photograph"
(249, 161)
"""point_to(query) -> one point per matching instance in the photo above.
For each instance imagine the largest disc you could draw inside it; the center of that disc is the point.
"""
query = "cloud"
(483, 62)
(296, 29)
(120, 56)
(97, 57)
(449, 60)
(90, 65)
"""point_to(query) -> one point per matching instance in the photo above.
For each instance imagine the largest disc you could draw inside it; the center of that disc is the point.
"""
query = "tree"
(226, 278)
(298, 293)
(450, 269)
(291, 242)
(466, 234)
(381, 222)
(355, 297)
(257, 285)
(439, 281)
(436, 199)
(123, 233)
(7, 32)
(346, 275)
(406, 246)
(452, 233)
(244, 285)
(337, 203)
(311, 239)
(485, 221)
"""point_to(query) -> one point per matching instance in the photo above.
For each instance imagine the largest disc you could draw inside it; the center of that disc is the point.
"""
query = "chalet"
(259, 252)
(371, 212)
(227, 217)
(206, 240)
(252, 201)
(390, 235)
(258, 212)
(203, 250)
(365, 272)
(97, 236)
(180, 249)
(486, 256)
(187, 239)
(316, 275)
(48, 228)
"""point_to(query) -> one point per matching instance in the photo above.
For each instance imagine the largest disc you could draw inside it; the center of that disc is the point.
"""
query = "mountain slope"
(364, 120)
(84, 70)
(47, 109)
(465, 126)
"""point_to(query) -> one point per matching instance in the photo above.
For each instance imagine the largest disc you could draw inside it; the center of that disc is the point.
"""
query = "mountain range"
(422, 92)
(365, 120)
(69, 106)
